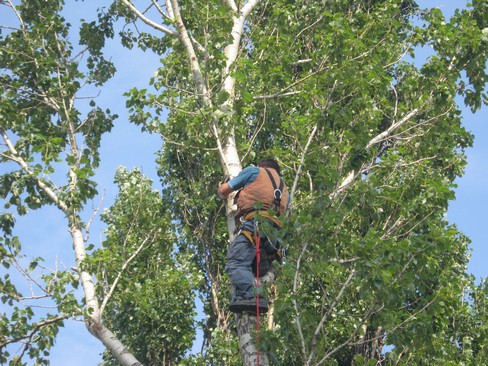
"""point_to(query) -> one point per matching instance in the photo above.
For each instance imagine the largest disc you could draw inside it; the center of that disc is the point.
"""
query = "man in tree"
(261, 188)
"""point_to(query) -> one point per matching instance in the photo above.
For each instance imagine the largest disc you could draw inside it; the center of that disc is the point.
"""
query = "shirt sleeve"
(245, 177)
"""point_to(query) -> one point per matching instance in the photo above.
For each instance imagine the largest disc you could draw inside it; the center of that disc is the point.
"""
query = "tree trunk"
(111, 342)
(248, 340)
(94, 321)
(226, 144)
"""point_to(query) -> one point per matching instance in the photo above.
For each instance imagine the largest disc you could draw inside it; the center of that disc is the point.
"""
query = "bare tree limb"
(395, 125)
(319, 327)
(87, 229)
(231, 4)
(161, 11)
(121, 272)
(148, 21)
(21, 21)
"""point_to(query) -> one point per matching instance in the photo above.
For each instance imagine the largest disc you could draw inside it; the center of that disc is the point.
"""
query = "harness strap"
(277, 191)
(265, 214)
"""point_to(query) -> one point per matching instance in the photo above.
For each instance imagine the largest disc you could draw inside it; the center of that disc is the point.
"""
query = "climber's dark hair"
(270, 163)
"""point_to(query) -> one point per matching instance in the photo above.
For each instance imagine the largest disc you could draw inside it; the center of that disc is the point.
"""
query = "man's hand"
(224, 191)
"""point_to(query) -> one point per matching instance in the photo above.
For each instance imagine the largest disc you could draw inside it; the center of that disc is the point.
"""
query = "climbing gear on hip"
(250, 215)
(270, 249)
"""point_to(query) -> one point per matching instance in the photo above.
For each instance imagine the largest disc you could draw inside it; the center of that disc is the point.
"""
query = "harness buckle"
(277, 194)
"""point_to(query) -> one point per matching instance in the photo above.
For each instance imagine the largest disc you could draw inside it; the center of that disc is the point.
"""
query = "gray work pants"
(240, 256)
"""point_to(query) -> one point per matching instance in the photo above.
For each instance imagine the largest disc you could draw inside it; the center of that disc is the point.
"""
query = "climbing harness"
(270, 249)
(277, 191)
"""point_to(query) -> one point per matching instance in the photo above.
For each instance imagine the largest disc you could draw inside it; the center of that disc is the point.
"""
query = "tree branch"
(319, 327)
(231, 4)
(295, 303)
(302, 161)
(192, 57)
(5, 341)
(161, 11)
(246, 10)
(277, 95)
(146, 20)
(385, 134)
(121, 272)
(21, 21)
(44, 187)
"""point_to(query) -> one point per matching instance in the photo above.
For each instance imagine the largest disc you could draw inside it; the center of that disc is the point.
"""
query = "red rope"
(258, 285)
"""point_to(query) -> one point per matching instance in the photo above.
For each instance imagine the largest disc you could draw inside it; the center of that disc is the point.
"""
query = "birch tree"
(49, 153)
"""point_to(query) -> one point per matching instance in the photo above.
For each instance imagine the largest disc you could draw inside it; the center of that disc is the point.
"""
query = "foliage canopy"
(370, 141)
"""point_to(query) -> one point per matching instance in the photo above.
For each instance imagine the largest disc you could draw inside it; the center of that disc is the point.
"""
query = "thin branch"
(412, 316)
(385, 134)
(344, 261)
(29, 278)
(294, 301)
(44, 187)
(305, 151)
(9, 157)
(121, 272)
(24, 30)
(32, 94)
(87, 230)
(380, 137)
(148, 21)
(255, 134)
(352, 336)
(161, 11)
(302, 161)
(344, 184)
(9, 28)
(30, 335)
(319, 327)
(309, 26)
(277, 95)
(399, 58)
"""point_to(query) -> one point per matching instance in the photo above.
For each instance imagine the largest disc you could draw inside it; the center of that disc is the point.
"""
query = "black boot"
(249, 305)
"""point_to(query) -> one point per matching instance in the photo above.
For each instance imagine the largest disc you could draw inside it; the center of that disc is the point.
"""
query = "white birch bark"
(94, 321)
(226, 144)
(246, 324)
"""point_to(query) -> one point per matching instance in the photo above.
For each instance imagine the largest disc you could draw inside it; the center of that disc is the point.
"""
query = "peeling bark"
(246, 331)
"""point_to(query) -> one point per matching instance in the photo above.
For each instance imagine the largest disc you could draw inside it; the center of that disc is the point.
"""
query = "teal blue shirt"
(245, 177)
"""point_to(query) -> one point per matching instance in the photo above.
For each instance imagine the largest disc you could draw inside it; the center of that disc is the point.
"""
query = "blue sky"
(128, 147)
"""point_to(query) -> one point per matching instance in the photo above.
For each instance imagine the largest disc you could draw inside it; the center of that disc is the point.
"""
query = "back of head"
(270, 163)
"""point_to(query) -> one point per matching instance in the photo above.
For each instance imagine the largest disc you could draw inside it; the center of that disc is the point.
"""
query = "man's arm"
(224, 190)
(246, 176)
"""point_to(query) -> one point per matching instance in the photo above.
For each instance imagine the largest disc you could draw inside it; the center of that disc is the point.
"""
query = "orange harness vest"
(260, 190)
